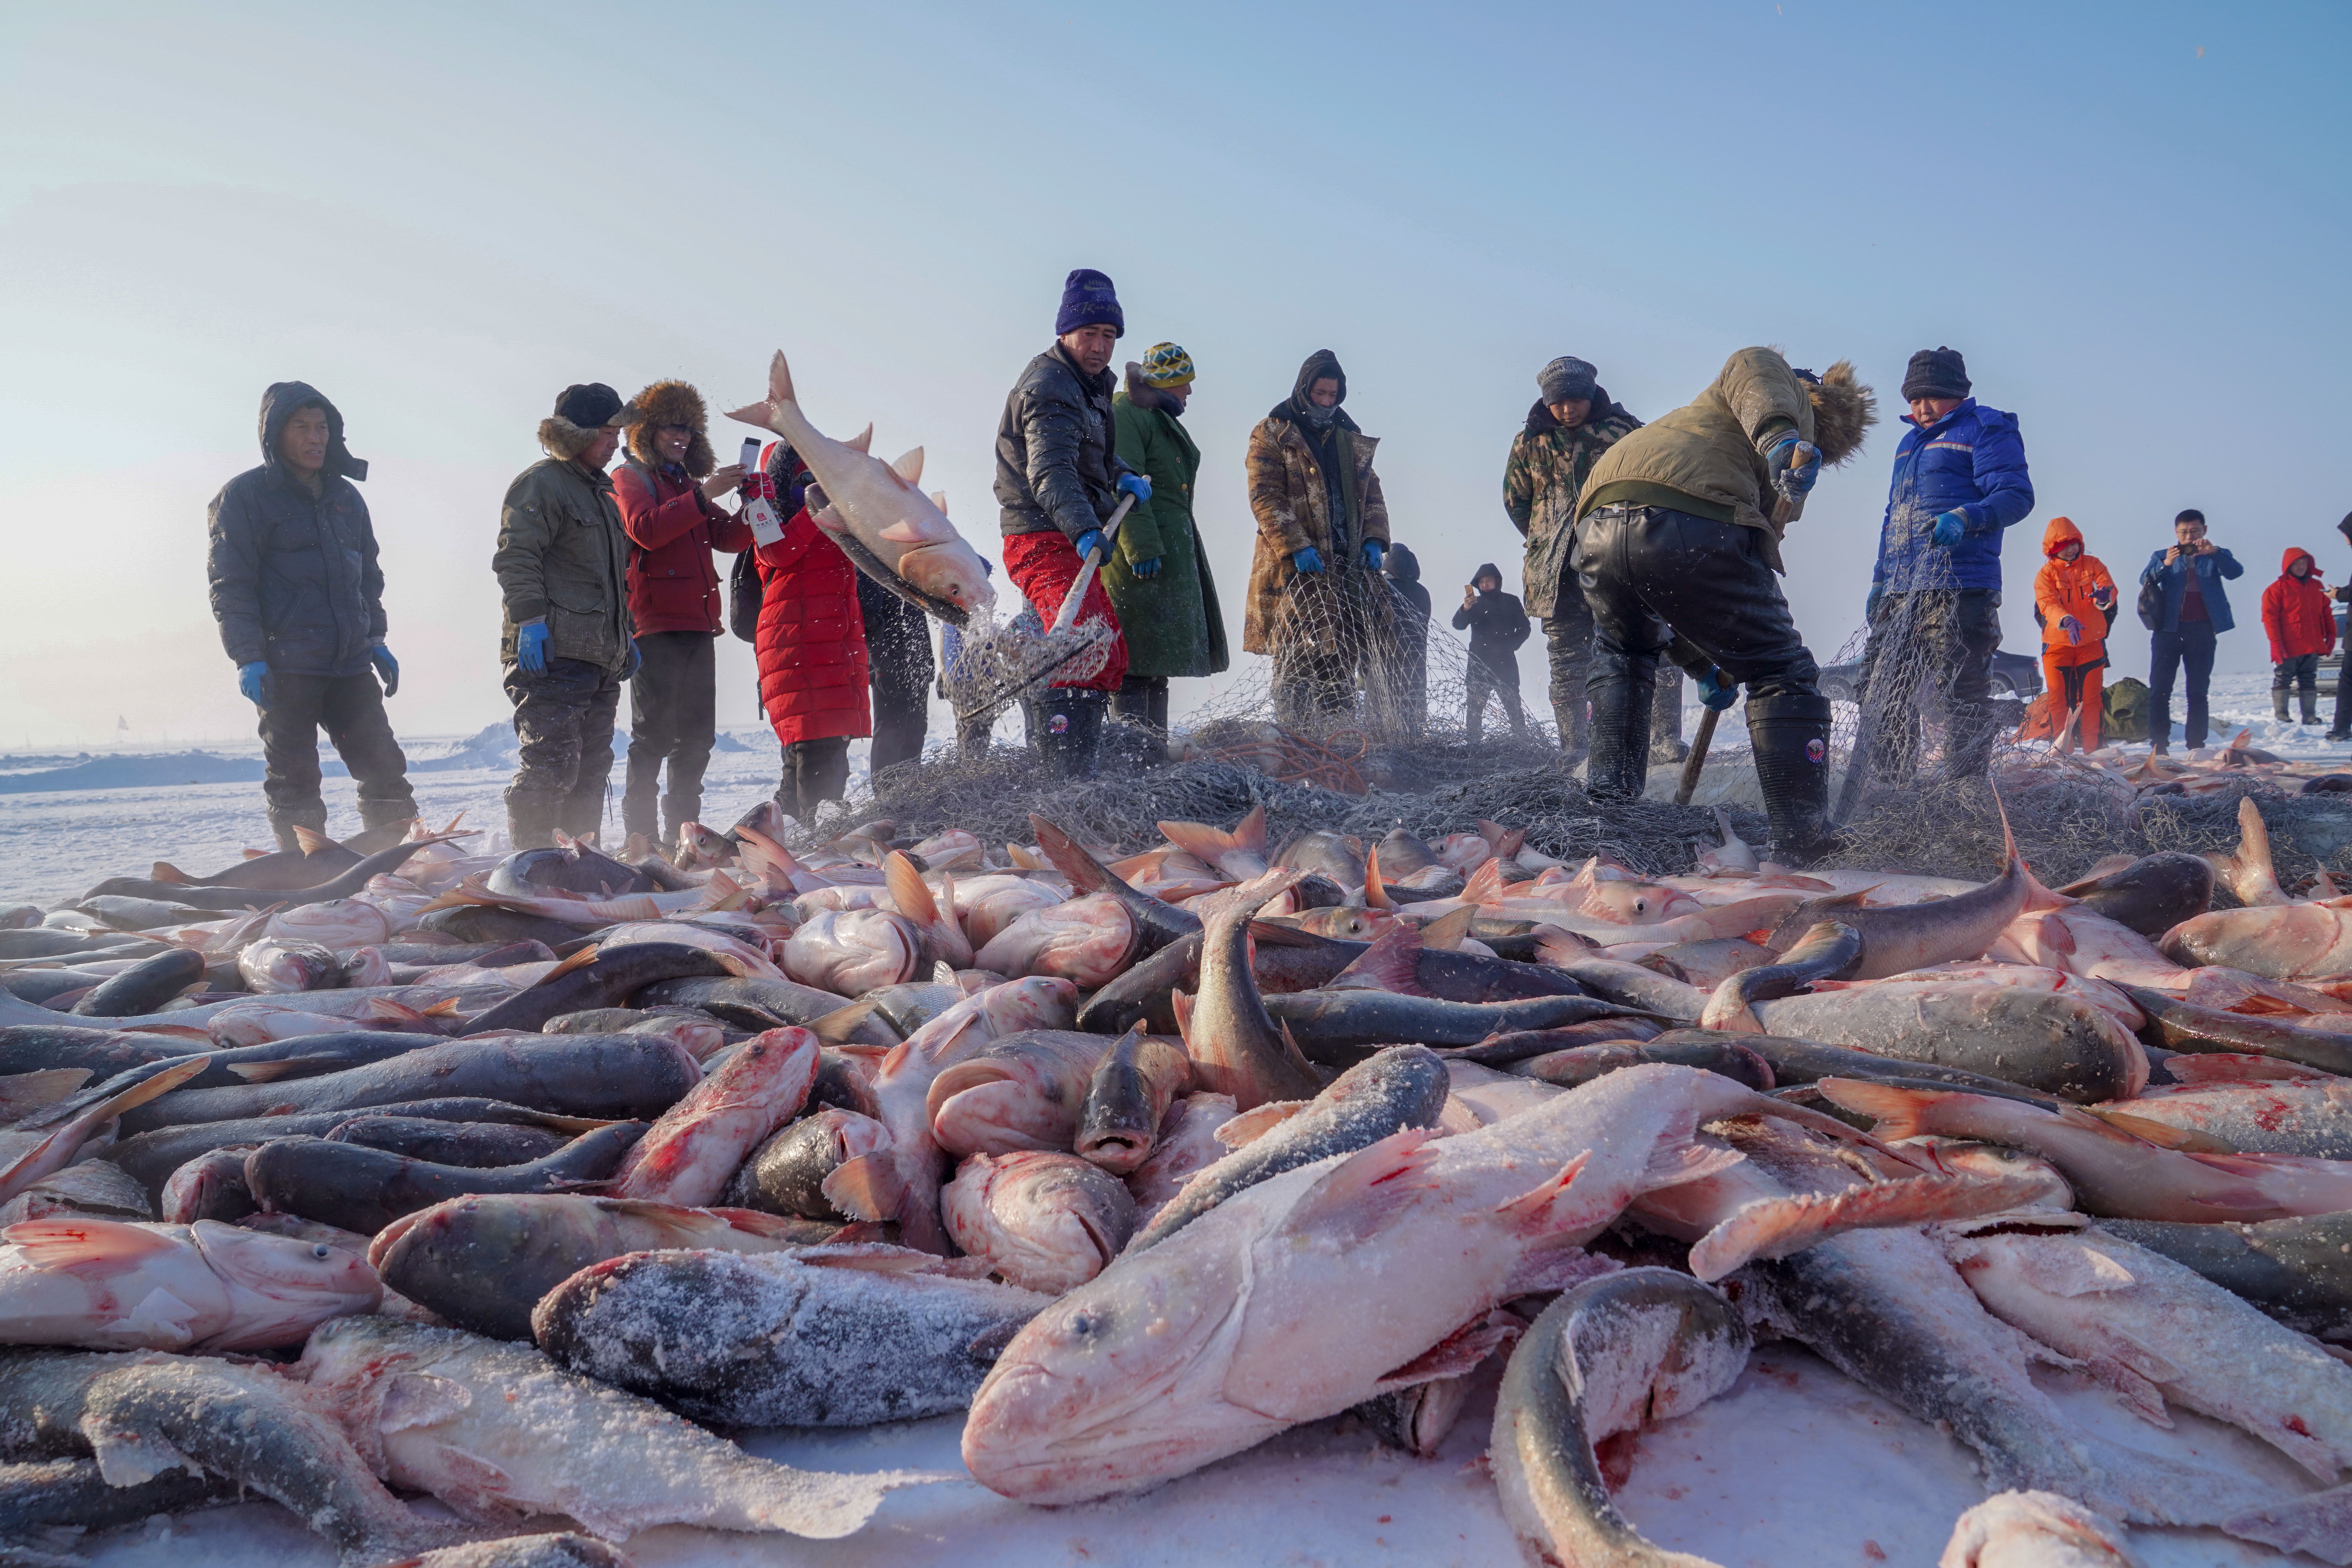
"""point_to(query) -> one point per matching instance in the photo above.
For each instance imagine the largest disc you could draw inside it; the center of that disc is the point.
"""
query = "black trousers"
(2168, 652)
(564, 719)
(898, 655)
(814, 771)
(1142, 699)
(1651, 574)
(673, 719)
(1501, 679)
(350, 708)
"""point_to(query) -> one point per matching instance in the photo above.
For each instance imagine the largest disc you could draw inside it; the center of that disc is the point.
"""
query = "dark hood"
(1320, 364)
(1401, 563)
(280, 403)
(2344, 527)
(1539, 417)
(1488, 569)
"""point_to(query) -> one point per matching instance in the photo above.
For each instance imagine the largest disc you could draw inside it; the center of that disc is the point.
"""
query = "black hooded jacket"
(1403, 569)
(294, 577)
(1496, 622)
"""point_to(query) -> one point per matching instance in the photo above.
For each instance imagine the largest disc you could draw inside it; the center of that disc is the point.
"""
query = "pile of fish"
(379, 1169)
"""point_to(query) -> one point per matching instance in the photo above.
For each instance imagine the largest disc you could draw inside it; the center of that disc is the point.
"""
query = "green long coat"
(1172, 624)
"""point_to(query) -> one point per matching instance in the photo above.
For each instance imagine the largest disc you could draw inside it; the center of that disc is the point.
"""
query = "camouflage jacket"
(1548, 469)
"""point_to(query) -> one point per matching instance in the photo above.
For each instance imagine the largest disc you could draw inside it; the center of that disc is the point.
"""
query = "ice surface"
(1794, 1467)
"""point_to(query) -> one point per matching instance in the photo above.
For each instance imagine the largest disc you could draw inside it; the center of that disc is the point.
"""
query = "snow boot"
(386, 813)
(1619, 687)
(1574, 720)
(531, 825)
(1667, 743)
(2278, 704)
(1790, 735)
(2310, 700)
(1069, 730)
(283, 824)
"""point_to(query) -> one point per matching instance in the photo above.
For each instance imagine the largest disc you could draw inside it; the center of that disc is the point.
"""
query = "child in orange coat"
(2300, 617)
(2075, 600)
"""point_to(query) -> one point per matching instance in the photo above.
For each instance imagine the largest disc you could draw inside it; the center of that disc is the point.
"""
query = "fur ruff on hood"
(672, 403)
(1143, 395)
(1843, 412)
(565, 440)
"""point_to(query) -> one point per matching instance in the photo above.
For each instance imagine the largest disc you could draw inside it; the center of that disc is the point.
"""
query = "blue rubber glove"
(1870, 606)
(530, 647)
(636, 662)
(1717, 689)
(1307, 562)
(1136, 486)
(1147, 569)
(1949, 527)
(253, 680)
(387, 668)
(2072, 628)
(1088, 543)
(1373, 553)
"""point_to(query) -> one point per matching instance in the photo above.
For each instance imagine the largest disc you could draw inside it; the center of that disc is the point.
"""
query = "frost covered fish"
(2156, 1331)
(2307, 1117)
(110, 1285)
(1402, 1087)
(688, 1156)
(483, 1262)
(1043, 1221)
(494, 1429)
(1024, 1090)
(901, 1180)
(786, 1174)
(842, 1336)
(566, 1551)
(2051, 1043)
(1256, 1317)
(1128, 1099)
(73, 1494)
(356, 1188)
(2297, 1271)
(144, 1416)
(876, 507)
(1613, 1356)
(2035, 1529)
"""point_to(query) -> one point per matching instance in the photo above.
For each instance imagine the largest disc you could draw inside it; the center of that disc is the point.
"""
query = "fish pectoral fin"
(2075, 1271)
(1458, 1354)
(126, 1458)
(1559, 1268)
(78, 1242)
(869, 1187)
(159, 1315)
(1544, 1208)
(2137, 1393)
(420, 1399)
(1257, 1122)
(1357, 1195)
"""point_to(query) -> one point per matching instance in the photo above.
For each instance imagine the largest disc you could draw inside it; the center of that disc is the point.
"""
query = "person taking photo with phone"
(2191, 610)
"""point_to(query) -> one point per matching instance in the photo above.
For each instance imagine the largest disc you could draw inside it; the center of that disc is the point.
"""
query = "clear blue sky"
(2132, 220)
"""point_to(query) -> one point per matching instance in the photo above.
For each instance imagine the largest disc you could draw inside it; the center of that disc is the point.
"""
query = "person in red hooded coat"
(811, 640)
(2301, 622)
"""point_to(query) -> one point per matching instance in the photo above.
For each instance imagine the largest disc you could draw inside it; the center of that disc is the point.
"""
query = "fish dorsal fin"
(580, 960)
(164, 871)
(1181, 1005)
(2162, 1134)
(1483, 884)
(910, 466)
(310, 840)
(1391, 964)
(940, 500)
(1266, 934)
(861, 442)
(908, 890)
(79, 1241)
(1376, 897)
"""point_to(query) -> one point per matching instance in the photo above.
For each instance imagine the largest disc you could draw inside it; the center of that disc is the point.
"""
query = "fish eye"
(1084, 1322)
(320, 1250)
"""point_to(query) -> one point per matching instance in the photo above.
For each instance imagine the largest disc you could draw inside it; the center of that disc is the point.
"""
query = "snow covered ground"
(1794, 1468)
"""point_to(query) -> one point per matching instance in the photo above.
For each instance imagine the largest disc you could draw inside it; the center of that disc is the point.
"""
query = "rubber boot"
(677, 810)
(1790, 736)
(1620, 688)
(385, 813)
(531, 825)
(1069, 730)
(1667, 743)
(1572, 719)
(2310, 700)
(2278, 704)
(283, 824)
(1969, 732)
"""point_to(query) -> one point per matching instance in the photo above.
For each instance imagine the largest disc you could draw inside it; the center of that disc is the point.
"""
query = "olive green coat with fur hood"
(1706, 457)
(1171, 621)
(562, 555)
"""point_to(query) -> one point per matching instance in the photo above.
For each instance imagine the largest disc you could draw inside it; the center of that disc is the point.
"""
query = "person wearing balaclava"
(1572, 422)
(1059, 480)
(1678, 550)
(299, 599)
(1317, 601)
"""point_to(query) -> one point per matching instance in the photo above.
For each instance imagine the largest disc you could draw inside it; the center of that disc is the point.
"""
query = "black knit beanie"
(1935, 372)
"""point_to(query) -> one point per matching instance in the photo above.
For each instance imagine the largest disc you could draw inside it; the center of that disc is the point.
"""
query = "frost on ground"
(1794, 1466)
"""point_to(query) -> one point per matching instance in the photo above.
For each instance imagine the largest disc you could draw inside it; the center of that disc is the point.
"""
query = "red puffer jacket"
(811, 638)
(672, 530)
(2297, 612)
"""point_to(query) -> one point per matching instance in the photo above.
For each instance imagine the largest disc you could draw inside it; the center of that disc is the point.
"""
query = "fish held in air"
(824, 1336)
(1613, 1356)
(898, 533)
(1044, 1221)
(494, 1429)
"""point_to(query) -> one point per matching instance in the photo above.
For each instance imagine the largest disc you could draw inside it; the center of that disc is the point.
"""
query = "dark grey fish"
(272, 1061)
(1157, 921)
(844, 1079)
(782, 1339)
(215, 900)
(278, 873)
(1636, 986)
(786, 1174)
(1335, 1026)
(2297, 1271)
(45, 942)
(1127, 1099)
(860, 1023)
(210, 1186)
(1417, 1419)
(2151, 895)
(150, 1158)
(356, 1188)
(528, 873)
(910, 1006)
(607, 979)
(1579, 1064)
(70, 1494)
(144, 986)
(2048, 1042)
(1830, 951)
(1795, 1063)
(1613, 1356)
(1523, 1045)
(486, 923)
(476, 1145)
(1227, 1031)
(1404, 1086)
(1333, 855)
(570, 1075)
(2180, 1026)
(414, 954)
(244, 1424)
(141, 915)
(746, 1004)
(1402, 854)
(43, 985)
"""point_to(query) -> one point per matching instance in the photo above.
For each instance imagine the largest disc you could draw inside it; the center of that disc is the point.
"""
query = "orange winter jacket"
(2064, 588)
(2297, 612)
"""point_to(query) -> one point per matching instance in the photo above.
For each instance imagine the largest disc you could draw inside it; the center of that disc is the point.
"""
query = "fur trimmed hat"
(583, 411)
(667, 403)
(1843, 411)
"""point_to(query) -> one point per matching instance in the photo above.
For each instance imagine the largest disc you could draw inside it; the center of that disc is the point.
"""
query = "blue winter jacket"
(1971, 458)
(2210, 570)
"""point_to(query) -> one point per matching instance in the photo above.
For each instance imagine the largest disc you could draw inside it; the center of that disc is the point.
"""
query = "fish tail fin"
(780, 379)
(869, 1187)
(1778, 1226)
(1900, 1112)
(1727, 1009)
(1249, 832)
(1507, 841)
(1485, 883)
(1181, 1005)
(1376, 897)
(1723, 825)
(1072, 860)
(1556, 947)
(1390, 963)
(1447, 931)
